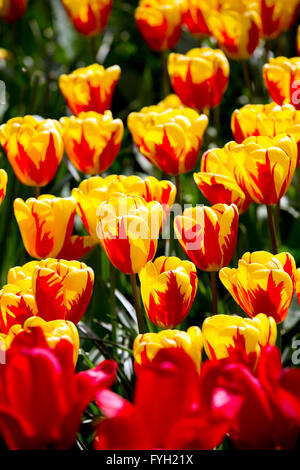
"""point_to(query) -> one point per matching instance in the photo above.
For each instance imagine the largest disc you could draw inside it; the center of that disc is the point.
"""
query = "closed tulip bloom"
(146, 346)
(89, 17)
(62, 289)
(276, 16)
(34, 148)
(92, 140)
(217, 180)
(22, 275)
(3, 184)
(170, 140)
(282, 78)
(262, 283)
(12, 10)
(236, 27)
(93, 191)
(128, 231)
(159, 22)
(199, 77)
(168, 289)
(196, 14)
(237, 338)
(208, 235)
(16, 305)
(54, 331)
(265, 166)
(42, 398)
(89, 88)
(297, 284)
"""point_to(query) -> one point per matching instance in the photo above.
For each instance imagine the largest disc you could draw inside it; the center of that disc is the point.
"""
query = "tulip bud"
(90, 88)
(208, 235)
(146, 346)
(168, 289)
(282, 79)
(3, 184)
(12, 10)
(89, 17)
(199, 77)
(34, 148)
(262, 283)
(92, 140)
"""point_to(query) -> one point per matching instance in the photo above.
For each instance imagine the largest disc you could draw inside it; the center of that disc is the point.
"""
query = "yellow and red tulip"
(34, 148)
(236, 26)
(54, 331)
(199, 77)
(159, 22)
(168, 289)
(93, 191)
(46, 226)
(21, 276)
(265, 166)
(262, 283)
(217, 180)
(3, 184)
(282, 79)
(16, 305)
(89, 17)
(169, 139)
(12, 10)
(89, 88)
(92, 140)
(62, 289)
(237, 338)
(128, 230)
(146, 346)
(208, 235)
(276, 16)
(196, 14)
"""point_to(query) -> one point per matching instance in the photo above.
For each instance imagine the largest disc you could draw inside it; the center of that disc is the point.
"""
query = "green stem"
(137, 304)
(165, 75)
(178, 188)
(247, 79)
(37, 191)
(272, 230)
(213, 282)
(112, 273)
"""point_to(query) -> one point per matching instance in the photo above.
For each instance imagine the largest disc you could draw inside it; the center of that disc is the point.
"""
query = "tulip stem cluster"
(247, 79)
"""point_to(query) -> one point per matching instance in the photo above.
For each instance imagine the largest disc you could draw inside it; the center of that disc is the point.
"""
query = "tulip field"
(150, 225)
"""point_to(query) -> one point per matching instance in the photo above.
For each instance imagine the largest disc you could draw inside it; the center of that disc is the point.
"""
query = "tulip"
(146, 346)
(54, 331)
(171, 409)
(42, 399)
(168, 289)
(22, 275)
(196, 15)
(90, 88)
(159, 22)
(3, 184)
(217, 180)
(276, 16)
(93, 191)
(282, 79)
(208, 235)
(128, 230)
(236, 26)
(92, 140)
(62, 289)
(34, 148)
(199, 77)
(16, 305)
(12, 10)
(89, 17)
(237, 338)
(171, 139)
(269, 415)
(46, 226)
(266, 120)
(297, 284)
(265, 167)
(262, 283)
